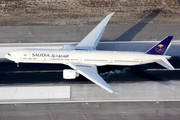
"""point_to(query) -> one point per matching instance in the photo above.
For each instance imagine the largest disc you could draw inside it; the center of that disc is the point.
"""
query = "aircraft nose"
(8, 56)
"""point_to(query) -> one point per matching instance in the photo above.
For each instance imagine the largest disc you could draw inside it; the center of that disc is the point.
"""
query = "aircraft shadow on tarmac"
(133, 31)
(52, 73)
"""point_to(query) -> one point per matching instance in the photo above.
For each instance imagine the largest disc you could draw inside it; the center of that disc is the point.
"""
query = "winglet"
(115, 92)
(92, 39)
(161, 48)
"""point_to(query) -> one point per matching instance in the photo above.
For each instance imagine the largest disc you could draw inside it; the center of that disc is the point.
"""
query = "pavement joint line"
(62, 70)
(78, 42)
(162, 69)
(173, 41)
(88, 101)
(35, 71)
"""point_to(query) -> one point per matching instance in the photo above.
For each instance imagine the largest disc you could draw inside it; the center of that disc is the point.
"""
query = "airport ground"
(146, 92)
(92, 111)
(75, 33)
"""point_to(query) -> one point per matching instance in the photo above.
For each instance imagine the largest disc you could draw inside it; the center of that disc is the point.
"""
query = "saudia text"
(49, 55)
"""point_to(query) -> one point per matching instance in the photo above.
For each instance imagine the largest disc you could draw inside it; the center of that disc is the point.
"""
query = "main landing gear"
(17, 64)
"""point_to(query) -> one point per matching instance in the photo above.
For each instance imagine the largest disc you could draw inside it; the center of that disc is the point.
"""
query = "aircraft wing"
(90, 72)
(92, 39)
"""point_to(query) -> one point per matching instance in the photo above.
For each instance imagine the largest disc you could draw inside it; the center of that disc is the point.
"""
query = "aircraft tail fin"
(161, 48)
(164, 63)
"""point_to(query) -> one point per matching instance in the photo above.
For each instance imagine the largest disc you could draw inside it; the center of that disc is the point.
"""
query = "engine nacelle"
(70, 74)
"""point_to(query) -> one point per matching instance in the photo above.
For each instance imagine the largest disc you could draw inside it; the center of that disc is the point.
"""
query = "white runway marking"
(176, 69)
(35, 71)
(86, 102)
(32, 93)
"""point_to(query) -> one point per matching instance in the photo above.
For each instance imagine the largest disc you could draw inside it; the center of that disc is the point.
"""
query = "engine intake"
(70, 74)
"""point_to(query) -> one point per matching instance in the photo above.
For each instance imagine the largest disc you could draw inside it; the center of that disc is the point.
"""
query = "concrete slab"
(155, 110)
(34, 92)
(75, 33)
(136, 91)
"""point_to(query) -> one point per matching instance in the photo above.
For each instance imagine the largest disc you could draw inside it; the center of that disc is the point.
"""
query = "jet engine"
(70, 74)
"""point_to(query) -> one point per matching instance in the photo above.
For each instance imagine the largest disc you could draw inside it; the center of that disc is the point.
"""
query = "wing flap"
(90, 72)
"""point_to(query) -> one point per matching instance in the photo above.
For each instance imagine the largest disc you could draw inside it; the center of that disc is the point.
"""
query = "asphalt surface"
(75, 33)
(92, 111)
(129, 77)
(51, 73)
(32, 74)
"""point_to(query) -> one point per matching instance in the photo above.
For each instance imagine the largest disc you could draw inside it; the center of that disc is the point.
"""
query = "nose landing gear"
(17, 64)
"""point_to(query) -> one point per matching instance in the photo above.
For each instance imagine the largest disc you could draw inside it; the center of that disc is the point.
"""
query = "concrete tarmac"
(154, 110)
(139, 83)
(75, 33)
(151, 94)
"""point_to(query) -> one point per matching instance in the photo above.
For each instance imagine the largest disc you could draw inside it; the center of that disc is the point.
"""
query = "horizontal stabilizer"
(164, 63)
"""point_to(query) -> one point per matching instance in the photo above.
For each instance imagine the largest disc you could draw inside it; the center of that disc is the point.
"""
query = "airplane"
(84, 58)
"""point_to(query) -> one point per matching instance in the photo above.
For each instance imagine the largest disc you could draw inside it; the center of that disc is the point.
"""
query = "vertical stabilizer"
(160, 48)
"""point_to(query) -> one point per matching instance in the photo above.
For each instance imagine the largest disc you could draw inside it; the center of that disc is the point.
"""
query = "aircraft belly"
(126, 63)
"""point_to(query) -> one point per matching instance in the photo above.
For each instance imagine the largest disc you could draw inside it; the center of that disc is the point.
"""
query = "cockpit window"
(9, 54)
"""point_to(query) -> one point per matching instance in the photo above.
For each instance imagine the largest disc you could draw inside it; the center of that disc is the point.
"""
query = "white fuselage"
(98, 58)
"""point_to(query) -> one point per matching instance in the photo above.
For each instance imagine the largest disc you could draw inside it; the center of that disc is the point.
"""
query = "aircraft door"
(139, 60)
(111, 60)
(19, 57)
(80, 59)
